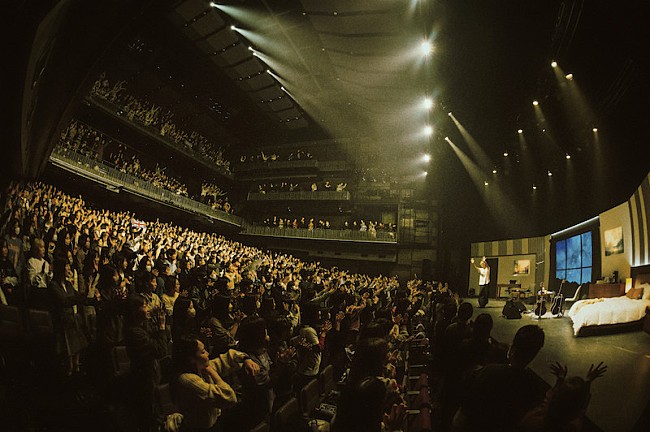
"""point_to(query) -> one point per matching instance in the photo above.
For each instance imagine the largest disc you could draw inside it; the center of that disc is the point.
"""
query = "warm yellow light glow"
(494, 171)
(427, 103)
(520, 131)
(428, 130)
(595, 129)
(568, 156)
(535, 103)
(505, 154)
(426, 157)
(569, 76)
(554, 64)
(485, 183)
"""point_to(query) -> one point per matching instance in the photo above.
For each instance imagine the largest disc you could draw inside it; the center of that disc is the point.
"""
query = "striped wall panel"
(639, 205)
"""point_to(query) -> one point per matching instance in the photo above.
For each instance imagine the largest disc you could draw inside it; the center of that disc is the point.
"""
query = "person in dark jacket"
(146, 344)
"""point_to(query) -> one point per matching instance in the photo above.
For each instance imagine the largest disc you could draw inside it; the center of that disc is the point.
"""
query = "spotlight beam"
(497, 202)
(481, 156)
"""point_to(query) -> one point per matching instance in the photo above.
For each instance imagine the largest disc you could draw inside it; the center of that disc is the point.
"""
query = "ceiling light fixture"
(535, 103)
(425, 48)
(553, 64)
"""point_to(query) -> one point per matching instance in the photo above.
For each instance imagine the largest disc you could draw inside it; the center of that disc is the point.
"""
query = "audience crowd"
(298, 154)
(236, 331)
(152, 115)
(214, 196)
(288, 186)
(311, 223)
(83, 139)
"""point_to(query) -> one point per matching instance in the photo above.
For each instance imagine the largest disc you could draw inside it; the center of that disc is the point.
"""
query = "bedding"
(615, 310)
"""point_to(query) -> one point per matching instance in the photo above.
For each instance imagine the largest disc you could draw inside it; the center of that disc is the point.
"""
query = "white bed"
(606, 311)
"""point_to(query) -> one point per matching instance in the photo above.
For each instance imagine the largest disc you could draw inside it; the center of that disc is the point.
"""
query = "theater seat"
(262, 427)
(309, 397)
(11, 323)
(120, 361)
(164, 400)
(326, 380)
(286, 416)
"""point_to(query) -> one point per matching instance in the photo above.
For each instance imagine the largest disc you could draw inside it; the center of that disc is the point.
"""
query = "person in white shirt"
(483, 281)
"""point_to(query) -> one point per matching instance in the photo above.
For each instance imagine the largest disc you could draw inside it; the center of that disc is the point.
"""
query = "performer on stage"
(483, 281)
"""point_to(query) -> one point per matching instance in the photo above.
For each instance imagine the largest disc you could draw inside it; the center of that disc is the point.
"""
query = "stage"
(621, 399)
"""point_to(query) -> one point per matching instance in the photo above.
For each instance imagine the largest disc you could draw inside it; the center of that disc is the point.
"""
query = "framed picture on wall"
(522, 267)
(614, 241)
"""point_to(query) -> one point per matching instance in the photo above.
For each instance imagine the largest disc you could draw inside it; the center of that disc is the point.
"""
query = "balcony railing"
(300, 196)
(154, 133)
(321, 234)
(98, 171)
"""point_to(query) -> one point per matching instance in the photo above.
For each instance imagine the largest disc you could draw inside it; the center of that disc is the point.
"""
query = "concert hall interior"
(300, 215)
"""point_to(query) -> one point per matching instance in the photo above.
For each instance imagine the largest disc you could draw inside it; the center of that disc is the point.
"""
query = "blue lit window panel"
(560, 254)
(573, 253)
(586, 275)
(574, 275)
(586, 249)
(574, 258)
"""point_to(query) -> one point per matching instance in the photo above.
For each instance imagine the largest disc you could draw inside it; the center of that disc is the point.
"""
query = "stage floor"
(621, 399)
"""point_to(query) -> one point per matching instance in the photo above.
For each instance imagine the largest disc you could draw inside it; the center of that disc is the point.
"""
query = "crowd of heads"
(215, 197)
(152, 115)
(290, 155)
(312, 223)
(110, 279)
(289, 186)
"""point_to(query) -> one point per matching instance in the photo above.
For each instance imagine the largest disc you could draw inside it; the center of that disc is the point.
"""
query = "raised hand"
(559, 370)
(286, 354)
(596, 372)
(395, 420)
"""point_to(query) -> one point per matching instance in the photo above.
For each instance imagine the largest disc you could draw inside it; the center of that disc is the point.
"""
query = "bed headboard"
(640, 275)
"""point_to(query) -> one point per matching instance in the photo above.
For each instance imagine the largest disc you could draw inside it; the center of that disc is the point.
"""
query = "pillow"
(646, 291)
(635, 293)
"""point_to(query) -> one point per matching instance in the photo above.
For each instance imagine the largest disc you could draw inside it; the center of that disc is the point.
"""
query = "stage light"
(520, 131)
(595, 129)
(568, 156)
(534, 187)
(213, 4)
(268, 71)
(494, 171)
(569, 76)
(250, 48)
(554, 64)
(550, 174)
(232, 27)
(427, 103)
(505, 154)
(535, 103)
(425, 48)
(485, 183)
(428, 130)
(426, 158)
(426, 173)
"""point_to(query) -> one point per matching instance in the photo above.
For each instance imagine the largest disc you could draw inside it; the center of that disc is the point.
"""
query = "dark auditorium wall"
(55, 48)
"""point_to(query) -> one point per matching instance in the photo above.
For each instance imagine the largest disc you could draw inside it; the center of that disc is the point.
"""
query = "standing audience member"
(146, 343)
(67, 316)
(513, 385)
